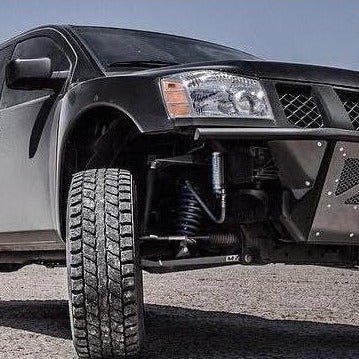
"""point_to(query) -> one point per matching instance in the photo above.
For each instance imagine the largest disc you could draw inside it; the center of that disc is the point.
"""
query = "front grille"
(350, 101)
(300, 107)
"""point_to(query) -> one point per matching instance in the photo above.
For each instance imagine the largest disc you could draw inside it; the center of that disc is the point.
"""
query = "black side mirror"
(32, 74)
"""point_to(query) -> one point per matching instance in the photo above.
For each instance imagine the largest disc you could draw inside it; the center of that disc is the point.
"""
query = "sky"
(323, 32)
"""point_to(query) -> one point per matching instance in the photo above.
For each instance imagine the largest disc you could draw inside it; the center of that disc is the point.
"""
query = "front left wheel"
(104, 275)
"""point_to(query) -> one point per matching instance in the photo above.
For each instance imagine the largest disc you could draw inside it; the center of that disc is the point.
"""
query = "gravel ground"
(273, 311)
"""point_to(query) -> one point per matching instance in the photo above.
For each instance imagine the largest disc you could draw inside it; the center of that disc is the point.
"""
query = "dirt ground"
(274, 311)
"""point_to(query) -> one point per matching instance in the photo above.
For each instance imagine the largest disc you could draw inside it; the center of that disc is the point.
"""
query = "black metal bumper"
(336, 134)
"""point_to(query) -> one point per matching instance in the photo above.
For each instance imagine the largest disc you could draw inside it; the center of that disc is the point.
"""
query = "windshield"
(118, 47)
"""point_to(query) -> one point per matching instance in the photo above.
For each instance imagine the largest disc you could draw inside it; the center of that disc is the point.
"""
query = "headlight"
(214, 94)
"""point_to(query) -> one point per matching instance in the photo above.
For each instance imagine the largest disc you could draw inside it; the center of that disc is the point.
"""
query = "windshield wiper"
(144, 63)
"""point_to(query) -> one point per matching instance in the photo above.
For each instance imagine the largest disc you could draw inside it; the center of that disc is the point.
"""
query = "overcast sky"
(318, 31)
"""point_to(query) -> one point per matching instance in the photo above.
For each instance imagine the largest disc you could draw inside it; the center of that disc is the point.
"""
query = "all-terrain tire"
(104, 276)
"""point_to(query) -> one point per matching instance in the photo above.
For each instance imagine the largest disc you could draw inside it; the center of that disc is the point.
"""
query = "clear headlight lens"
(214, 94)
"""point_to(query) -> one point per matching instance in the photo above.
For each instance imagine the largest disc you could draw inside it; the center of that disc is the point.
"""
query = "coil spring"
(222, 241)
(189, 213)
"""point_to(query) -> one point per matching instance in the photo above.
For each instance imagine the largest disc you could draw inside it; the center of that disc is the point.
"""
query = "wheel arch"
(76, 135)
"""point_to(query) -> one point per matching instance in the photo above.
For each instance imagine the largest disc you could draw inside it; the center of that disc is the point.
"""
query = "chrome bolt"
(307, 183)
(329, 205)
(319, 144)
(317, 234)
(341, 149)
(330, 193)
(351, 235)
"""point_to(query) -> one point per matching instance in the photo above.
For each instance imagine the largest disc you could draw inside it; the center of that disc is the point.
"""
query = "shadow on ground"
(174, 332)
(42, 317)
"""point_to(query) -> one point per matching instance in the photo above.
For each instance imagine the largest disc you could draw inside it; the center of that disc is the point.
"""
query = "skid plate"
(337, 216)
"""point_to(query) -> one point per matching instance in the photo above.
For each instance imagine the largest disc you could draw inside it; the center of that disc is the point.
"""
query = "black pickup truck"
(124, 150)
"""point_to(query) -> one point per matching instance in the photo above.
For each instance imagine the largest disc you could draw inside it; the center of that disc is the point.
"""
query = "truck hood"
(281, 71)
(306, 73)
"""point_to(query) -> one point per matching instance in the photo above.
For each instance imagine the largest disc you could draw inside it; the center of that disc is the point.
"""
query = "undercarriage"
(251, 201)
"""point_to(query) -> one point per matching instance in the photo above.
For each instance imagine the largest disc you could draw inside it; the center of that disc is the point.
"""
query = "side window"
(29, 49)
(4, 58)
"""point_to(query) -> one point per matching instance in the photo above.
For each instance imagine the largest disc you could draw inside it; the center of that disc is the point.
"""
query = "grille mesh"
(299, 107)
(353, 200)
(350, 101)
(349, 176)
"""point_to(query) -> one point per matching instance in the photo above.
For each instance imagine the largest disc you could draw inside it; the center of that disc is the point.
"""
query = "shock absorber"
(217, 162)
(192, 206)
(218, 188)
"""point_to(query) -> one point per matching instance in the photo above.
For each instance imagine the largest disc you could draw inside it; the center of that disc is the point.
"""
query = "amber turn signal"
(175, 98)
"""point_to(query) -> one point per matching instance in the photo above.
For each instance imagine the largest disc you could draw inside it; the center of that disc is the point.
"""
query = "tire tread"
(101, 265)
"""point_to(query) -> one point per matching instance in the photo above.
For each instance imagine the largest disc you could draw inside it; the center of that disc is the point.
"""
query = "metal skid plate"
(336, 220)
(298, 162)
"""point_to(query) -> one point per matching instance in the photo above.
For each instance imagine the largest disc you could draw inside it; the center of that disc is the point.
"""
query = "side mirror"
(32, 74)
